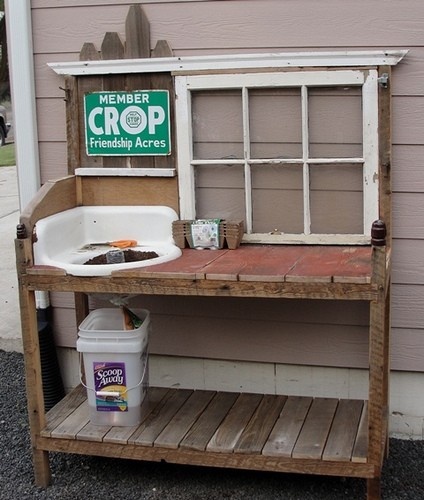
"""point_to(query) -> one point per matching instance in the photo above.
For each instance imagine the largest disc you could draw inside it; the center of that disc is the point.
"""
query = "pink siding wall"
(205, 27)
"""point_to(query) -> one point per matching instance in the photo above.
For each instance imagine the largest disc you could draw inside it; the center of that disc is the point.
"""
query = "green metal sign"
(127, 123)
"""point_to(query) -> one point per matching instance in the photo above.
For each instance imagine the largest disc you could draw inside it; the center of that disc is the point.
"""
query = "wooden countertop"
(269, 271)
(271, 263)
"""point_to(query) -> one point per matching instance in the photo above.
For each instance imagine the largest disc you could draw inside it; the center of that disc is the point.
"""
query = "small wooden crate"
(230, 233)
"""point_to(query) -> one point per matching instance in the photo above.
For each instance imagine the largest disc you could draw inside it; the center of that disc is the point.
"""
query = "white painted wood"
(125, 172)
(370, 149)
(247, 171)
(185, 149)
(239, 376)
(321, 382)
(181, 372)
(276, 161)
(307, 239)
(303, 79)
(305, 158)
(259, 79)
(238, 61)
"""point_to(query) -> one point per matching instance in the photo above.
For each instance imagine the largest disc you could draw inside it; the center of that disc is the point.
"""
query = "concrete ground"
(10, 325)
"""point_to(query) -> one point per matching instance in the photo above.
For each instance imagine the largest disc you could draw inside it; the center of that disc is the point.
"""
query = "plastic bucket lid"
(103, 331)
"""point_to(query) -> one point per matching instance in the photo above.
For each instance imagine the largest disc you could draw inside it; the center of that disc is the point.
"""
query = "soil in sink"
(129, 256)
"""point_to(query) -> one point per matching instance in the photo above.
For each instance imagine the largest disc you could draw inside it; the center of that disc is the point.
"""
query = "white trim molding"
(233, 61)
(125, 172)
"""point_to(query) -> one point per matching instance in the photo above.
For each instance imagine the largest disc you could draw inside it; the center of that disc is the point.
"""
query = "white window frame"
(367, 79)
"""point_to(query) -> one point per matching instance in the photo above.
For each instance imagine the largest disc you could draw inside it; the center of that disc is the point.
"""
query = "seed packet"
(131, 320)
(205, 233)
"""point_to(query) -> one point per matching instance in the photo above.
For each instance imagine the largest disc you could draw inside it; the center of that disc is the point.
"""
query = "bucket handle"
(110, 393)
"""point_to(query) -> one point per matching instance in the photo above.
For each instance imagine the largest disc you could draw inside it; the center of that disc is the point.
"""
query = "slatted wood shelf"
(265, 432)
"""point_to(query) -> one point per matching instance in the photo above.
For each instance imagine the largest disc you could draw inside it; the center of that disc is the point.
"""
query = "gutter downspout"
(21, 65)
(22, 84)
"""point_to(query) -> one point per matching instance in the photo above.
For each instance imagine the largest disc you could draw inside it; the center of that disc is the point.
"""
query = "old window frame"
(366, 79)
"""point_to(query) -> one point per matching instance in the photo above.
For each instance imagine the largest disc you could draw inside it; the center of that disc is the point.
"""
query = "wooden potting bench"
(262, 432)
(329, 436)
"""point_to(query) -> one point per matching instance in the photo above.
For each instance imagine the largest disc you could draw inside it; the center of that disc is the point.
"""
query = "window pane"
(336, 199)
(277, 198)
(335, 122)
(220, 192)
(275, 123)
(217, 124)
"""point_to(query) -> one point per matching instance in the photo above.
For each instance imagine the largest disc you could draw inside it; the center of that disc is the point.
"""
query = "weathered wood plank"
(271, 263)
(258, 429)
(130, 191)
(254, 263)
(69, 428)
(226, 268)
(77, 155)
(379, 369)
(287, 428)
(229, 432)
(72, 123)
(162, 49)
(63, 409)
(192, 457)
(314, 433)
(316, 264)
(166, 82)
(385, 151)
(113, 48)
(203, 429)
(51, 198)
(189, 266)
(343, 432)
(122, 434)
(159, 418)
(360, 449)
(354, 265)
(86, 85)
(137, 33)
(183, 420)
(132, 282)
(93, 432)
(52, 270)
(73, 120)
(89, 52)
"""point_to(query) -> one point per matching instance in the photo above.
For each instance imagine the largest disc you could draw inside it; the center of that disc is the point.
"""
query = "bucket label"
(110, 386)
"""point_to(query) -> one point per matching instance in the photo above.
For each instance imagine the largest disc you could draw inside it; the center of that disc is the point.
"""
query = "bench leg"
(41, 468)
(374, 488)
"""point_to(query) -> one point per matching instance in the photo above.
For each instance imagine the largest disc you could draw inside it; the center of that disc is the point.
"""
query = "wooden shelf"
(264, 432)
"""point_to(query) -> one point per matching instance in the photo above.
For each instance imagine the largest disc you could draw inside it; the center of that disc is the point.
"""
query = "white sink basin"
(61, 238)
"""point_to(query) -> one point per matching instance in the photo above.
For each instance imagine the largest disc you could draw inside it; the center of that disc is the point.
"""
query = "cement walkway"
(10, 325)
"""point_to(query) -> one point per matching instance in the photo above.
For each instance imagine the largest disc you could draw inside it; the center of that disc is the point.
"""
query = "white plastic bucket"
(115, 365)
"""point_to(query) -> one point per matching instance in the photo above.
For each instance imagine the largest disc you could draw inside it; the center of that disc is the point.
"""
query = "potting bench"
(313, 435)
(262, 432)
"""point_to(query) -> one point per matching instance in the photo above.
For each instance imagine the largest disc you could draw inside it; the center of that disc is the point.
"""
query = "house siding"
(210, 27)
